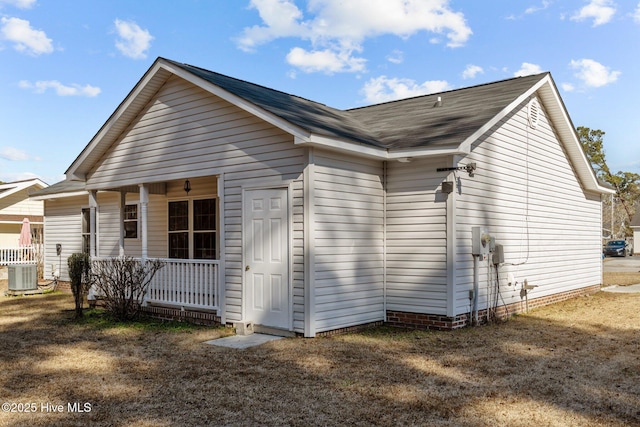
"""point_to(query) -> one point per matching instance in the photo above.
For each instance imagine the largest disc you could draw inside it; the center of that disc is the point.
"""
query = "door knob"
(247, 268)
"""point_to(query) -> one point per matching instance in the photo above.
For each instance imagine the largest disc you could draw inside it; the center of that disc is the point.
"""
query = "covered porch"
(176, 222)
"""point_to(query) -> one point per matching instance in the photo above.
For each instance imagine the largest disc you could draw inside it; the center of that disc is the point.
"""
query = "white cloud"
(343, 26)
(13, 154)
(20, 4)
(471, 71)
(327, 61)
(527, 69)
(396, 57)
(568, 87)
(636, 14)
(60, 89)
(25, 38)
(133, 41)
(601, 11)
(383, 89)
(592, 73)
(534, 9)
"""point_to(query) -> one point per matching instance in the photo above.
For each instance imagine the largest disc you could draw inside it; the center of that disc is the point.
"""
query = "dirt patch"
(575, 363)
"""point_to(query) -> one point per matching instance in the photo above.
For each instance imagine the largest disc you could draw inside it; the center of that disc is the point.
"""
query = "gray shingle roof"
(408, 123)
(312, 116)
(66, 186)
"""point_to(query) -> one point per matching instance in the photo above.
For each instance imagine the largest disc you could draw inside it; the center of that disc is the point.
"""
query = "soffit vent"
(533, 113)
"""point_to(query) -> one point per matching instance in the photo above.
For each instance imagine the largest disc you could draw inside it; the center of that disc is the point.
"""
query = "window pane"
(204, 214)
(178, 215)
(131, 212)
(204, 245)
(179, 245)
(131, 229)
(86, 243)
(131, 221)
(86, 220)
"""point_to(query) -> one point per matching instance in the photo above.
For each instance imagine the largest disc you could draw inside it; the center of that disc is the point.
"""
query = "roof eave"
(60, 195)
(376, 152)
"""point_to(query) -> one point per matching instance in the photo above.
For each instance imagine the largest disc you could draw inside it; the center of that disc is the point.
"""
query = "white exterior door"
(266, 254)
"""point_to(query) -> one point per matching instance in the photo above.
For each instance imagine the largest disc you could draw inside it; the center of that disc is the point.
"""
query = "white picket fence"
(22, 255)
(186, 283)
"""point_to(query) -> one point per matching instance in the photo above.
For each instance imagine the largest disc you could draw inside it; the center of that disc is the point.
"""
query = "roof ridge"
(540, 75)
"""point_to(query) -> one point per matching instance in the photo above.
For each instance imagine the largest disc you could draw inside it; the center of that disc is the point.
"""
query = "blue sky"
(66, 65)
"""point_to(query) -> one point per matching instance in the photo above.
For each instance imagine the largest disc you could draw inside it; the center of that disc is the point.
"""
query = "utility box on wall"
(23, 277)
(480, 241)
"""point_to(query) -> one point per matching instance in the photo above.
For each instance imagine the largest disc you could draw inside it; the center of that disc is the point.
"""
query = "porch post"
(93, 205)
(144, 201)
(123, 196)
(451, 246)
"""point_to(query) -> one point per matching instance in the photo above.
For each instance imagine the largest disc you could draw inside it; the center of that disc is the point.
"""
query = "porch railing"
(22, 255)
(188, 283)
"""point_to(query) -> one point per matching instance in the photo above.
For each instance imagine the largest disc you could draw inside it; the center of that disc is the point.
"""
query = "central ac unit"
(23, 277)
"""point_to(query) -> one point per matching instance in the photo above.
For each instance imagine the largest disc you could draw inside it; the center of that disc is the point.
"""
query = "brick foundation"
(445, 323)
(394, 318)
(349, 329)
(175, 314)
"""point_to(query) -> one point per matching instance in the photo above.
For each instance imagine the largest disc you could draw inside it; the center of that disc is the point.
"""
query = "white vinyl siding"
(526, 194)
(20, 204)
(416, 237)
(185, 132)
(349, 265)
(63, 225)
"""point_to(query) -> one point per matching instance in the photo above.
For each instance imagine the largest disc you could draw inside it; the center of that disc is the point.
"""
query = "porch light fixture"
(187, 186)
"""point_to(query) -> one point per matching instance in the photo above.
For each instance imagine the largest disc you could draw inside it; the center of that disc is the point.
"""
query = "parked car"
(618, 248)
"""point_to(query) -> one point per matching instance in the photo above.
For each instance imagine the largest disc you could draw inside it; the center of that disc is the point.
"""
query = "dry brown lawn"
(575, 363)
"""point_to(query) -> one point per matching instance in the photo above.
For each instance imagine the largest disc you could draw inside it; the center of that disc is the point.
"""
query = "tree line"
(618, 211)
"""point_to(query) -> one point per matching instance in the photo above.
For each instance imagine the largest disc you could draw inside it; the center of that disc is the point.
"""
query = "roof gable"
(444, 123)
(9, 188)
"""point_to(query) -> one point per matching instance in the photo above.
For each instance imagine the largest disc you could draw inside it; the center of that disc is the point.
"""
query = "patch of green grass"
(100, 319)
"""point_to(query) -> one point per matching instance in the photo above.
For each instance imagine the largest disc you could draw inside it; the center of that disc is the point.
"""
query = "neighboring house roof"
(9, 188)
(59, 189)
(444, 123)
(635, 222)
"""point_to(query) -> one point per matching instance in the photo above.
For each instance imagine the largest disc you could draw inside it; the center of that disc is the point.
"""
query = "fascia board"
(426, 152)
(570, 139)
(465, 146)
(60, 195)
(375, 152)
(113, 119)
(361, 149)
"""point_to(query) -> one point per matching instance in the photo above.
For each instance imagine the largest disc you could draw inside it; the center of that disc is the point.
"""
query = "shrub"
(79, 275)
(122, 283)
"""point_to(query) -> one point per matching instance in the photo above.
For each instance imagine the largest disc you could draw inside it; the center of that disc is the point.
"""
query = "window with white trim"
(192, 229)
(86, 230)
(131, 222)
